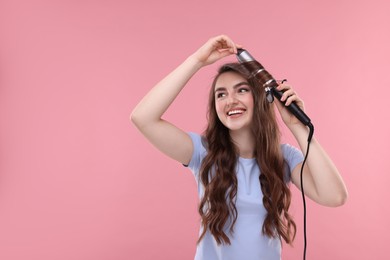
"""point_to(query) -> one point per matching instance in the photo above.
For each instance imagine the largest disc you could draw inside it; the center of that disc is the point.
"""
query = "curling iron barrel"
(257, 71)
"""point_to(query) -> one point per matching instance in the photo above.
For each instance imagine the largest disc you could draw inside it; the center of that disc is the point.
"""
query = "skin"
(232, 93)
(323, 182)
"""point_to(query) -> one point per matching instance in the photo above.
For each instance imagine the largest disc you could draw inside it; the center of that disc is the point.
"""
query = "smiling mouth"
(235, 112)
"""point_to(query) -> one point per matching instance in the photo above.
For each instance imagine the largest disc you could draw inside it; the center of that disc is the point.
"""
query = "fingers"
(223, 43)
(289, 95)
(214, 49)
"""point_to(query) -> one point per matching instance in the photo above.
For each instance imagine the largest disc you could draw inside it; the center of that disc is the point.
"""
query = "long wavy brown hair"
(218, 170)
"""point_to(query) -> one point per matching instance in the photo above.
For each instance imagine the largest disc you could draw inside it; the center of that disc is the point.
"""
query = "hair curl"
(218, 169)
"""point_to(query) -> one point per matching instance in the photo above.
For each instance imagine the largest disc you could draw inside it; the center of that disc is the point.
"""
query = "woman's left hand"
(289, 96)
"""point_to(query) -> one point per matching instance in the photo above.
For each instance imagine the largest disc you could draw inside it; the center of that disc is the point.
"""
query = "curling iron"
(269, 83)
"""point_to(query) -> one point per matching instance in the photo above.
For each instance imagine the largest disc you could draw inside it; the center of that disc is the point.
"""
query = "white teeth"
(234, 112)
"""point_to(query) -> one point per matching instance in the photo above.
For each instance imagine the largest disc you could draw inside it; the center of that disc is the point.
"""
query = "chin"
(240, 127)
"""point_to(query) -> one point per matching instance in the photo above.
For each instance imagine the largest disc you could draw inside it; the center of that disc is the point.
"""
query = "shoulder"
(291, 155)
(198, 152)
(288, 149)
(198, 140)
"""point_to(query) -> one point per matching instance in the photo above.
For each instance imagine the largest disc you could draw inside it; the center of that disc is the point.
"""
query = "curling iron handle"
(293, 108)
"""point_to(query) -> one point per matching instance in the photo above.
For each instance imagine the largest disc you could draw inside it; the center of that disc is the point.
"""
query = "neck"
(245, 142)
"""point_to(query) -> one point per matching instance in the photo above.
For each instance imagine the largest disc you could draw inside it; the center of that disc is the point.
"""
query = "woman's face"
(233, 101)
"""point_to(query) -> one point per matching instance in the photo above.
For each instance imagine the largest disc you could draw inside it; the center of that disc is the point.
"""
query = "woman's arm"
(146, 116)
(321, 179)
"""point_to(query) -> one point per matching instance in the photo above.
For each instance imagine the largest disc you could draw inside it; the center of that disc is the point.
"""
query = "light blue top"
(247, 241)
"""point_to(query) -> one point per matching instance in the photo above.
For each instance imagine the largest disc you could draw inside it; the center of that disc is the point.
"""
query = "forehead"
(229, 79)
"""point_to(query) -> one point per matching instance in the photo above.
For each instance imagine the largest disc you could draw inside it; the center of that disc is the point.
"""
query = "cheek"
(250, 105)
(248, 100)
(251, 102)
(219, 109)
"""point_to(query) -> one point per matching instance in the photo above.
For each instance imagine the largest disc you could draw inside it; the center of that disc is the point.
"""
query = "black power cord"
(311, 127)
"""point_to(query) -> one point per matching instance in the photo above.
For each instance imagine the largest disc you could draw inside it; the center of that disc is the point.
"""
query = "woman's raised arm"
(146, 116)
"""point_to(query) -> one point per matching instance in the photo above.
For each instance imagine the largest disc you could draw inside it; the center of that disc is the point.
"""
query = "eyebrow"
(235, 86)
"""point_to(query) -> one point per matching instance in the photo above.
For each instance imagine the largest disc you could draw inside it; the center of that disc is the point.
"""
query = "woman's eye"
(241, 90)
(219, 95)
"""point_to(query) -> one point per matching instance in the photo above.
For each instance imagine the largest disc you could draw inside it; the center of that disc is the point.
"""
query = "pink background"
(77, 180)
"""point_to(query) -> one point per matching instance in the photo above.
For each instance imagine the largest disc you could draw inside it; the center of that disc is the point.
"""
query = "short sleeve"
(292, 156)
(198, 153)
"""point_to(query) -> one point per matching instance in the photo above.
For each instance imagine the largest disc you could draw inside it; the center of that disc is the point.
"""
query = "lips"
(236, 111)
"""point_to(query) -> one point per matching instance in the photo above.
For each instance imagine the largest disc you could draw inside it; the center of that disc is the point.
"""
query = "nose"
(231, 99)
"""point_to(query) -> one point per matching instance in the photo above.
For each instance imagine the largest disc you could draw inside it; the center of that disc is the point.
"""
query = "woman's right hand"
(214, 49)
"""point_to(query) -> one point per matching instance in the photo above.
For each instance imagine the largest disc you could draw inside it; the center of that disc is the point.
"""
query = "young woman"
(242, 170)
